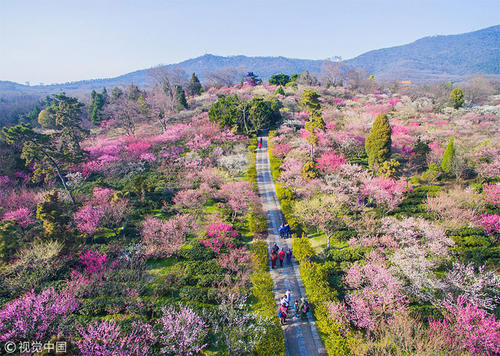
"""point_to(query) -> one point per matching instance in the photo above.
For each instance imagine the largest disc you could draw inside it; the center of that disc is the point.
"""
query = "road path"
(301, 336)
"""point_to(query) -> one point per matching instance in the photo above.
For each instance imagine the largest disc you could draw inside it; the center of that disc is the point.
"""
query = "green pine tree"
(194, 87)
(378, 143)
(449, 156)
(180, 97)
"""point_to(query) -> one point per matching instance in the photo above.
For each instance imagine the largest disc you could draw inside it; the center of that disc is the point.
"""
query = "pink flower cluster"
(21, 215)
(468, 329)
(492, 193)
(386, 192)
(491, 223)
(330, 162)
(220, 235)
(35, 316)
(87, 219)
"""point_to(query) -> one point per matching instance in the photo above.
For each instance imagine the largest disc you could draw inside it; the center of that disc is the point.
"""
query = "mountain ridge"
(439, 57)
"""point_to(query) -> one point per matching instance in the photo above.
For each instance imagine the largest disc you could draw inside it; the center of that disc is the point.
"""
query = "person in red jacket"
(274, 257)
(281, 255)
(283, 313)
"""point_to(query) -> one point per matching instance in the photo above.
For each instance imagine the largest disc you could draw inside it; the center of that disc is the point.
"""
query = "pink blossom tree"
(88, 219)
(468, 329)
(182, 331)
(330, 162)
(21, 215)
(106, 338)
(386, 192)
(35, 316)
(492, 193)
(164, 238)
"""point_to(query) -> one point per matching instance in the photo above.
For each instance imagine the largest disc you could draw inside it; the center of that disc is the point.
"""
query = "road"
(301, 336)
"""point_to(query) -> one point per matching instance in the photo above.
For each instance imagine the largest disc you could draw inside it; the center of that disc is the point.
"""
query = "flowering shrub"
(492, 193)
(106, 338)
(468, 329)
(164, 238)
(220, 235)
(491, 223)
(376, 294)
(87, 219)
(182, 332)
(21, 215)
(330, 162)
(93, 261)
(35, 316)
(388, 193)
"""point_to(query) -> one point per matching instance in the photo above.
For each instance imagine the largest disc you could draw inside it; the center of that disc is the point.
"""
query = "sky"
(54, 41)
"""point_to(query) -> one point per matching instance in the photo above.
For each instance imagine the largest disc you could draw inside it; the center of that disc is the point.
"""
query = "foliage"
(457, 98)
(302, 249)
(180, 96)
(279, 79)
(378, 142)
(96, 105)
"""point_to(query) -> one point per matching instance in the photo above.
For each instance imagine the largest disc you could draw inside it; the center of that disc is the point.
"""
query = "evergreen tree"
(310, 99)
(279, 79)
(180, 97)
(194, 87)
(378, 143)
(96, 104)
(457, 98)
(449, 156)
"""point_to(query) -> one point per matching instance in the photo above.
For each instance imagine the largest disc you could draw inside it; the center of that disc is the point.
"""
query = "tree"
(332, 72)
(310, 99)
(42, 151)
(226, 76)
(323, 212)
(457, 98)
(378, 143)
(252, 78)
(448, 161)
(279, 79)
(194, 87)
(307, 78)
(125, 113)
(96, 104)
(477, 89)
(182, 332)
(180, 97)
(246, 117)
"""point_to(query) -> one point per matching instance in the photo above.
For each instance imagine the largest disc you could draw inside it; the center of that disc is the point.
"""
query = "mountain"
(436, 57)
(450, 57)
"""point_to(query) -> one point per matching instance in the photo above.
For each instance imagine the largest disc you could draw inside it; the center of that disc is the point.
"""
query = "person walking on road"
(275, 248)
(260, 143)
(274, 257)
(288, 231)
(282, 231)
(283, 313)
(282, 257)
(288, 256)
(288, 296)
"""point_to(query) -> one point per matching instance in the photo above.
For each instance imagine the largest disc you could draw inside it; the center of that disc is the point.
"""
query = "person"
(260, 143)
(289, 256)
(288, 231)
(283, 313)
(275, 248)
(296, 308)
(303, 307)
(281, 256)
(274, 257)
(282, 230)
(288, 295)
(284, 301)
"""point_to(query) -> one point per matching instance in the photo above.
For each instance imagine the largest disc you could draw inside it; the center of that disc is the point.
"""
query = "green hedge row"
(273, 341)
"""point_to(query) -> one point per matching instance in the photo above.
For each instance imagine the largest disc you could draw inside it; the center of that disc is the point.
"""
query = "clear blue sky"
(65, 40)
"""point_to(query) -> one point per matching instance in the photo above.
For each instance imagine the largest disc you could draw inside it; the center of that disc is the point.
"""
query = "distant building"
(407, 82)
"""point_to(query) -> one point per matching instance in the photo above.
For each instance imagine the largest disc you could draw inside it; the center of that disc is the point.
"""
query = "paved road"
(301, 336)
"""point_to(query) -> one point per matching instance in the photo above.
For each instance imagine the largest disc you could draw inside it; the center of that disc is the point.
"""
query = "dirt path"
(301, 336)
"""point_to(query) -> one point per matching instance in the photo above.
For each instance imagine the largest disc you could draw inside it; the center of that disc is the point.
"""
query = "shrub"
(302, 248)
(260, 255)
